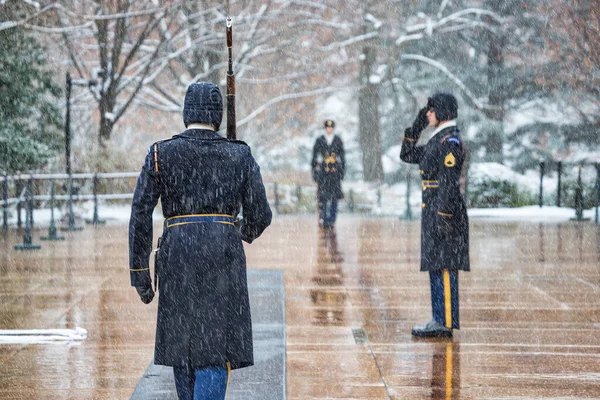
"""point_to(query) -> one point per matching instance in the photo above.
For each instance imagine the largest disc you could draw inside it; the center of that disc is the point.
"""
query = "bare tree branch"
(13, 24)
(470, 96)
(289, 96)
(125, 14)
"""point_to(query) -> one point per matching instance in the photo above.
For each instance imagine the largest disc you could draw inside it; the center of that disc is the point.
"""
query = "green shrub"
(495, 185)
(494, 193)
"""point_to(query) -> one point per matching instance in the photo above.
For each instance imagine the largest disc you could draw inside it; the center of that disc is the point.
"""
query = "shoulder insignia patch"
(450, 138)
(449, 161)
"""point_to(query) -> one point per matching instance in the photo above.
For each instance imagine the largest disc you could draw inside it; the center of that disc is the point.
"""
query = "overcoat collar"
(205, 134)
(324, 139)
(442, 127)
(425, 139)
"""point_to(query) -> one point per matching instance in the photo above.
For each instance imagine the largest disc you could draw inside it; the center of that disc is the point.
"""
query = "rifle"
(231, 128)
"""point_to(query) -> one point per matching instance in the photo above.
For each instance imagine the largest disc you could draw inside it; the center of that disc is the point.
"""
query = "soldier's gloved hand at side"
(146, 294)
(419, 124)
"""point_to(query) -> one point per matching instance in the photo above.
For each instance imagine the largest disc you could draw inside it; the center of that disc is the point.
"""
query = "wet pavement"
(530, 313)
(266, 379)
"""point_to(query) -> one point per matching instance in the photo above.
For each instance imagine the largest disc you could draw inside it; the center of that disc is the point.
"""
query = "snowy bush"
(496, 185)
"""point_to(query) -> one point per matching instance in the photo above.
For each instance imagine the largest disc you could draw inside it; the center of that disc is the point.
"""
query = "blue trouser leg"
(185, 379)
(211, 383)
(439, 304)
(328, 210)
(208, 383)
(333, 211)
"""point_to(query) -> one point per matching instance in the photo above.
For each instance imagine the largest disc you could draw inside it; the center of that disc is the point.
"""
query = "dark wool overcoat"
(328, 167)
(444, 221)
(203, 308)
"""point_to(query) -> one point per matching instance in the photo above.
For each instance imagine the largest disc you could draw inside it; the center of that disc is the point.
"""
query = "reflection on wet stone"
(542, 244)
(529, 316)
(445, 370)
(329, 298)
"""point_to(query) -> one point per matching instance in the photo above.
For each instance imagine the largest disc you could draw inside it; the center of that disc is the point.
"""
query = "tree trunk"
(105, 132)
(497, 90)
(368, 114)
(106, 123)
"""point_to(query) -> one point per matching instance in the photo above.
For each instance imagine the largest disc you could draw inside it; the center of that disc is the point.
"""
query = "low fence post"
(579, 198)
(276, 194)
(32, 197)
(559, 187)
(408, 214)
(27, 237)
(5, 201)
(71, 225)
(542, 165)
(299, 194)
(19, 188)
(95, 219)
(597, 190)
(351, 203)
(52, 228)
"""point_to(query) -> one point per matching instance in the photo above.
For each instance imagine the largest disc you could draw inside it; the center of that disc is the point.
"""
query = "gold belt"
(199, 219)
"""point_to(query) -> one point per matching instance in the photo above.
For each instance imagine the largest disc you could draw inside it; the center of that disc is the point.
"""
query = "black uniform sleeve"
(257, 213)
(342, 165)
(451, 160)
(316, 168)
(410, 153)
(145, 199)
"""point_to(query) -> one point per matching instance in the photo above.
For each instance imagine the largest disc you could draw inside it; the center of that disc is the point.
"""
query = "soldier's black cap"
(203, 104)
(445, 106)
(329, 123)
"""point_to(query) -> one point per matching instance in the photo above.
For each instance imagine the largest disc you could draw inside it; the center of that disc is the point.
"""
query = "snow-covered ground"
(529, 214)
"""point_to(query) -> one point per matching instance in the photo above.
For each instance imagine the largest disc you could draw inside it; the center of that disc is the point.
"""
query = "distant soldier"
(203, 328)
(444, 222)
(328, 168)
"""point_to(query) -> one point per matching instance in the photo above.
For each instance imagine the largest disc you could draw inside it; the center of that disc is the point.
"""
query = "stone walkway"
(266, 379)
(530, 314)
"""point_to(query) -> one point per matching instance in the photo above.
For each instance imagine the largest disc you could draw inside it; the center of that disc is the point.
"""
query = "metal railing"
(578, 198)
(21, 181)
(285, 198)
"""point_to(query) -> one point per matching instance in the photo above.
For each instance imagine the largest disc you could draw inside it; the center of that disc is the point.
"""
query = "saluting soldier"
(328, 168)
(444, 221)
(203, 328)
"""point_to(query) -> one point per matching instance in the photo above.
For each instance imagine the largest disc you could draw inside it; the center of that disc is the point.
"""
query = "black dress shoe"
(432, 330)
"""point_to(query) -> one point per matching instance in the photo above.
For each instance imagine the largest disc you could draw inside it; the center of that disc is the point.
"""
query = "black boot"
(432, 329)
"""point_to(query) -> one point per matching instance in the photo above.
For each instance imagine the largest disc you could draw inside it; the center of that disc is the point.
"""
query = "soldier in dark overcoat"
(203, 326)
(444, 221)
(328, 168)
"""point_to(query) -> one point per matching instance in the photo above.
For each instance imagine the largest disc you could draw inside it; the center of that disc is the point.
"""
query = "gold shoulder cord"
(155, 157)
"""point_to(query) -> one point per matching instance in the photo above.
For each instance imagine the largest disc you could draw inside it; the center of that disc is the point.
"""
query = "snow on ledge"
(528, 214)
